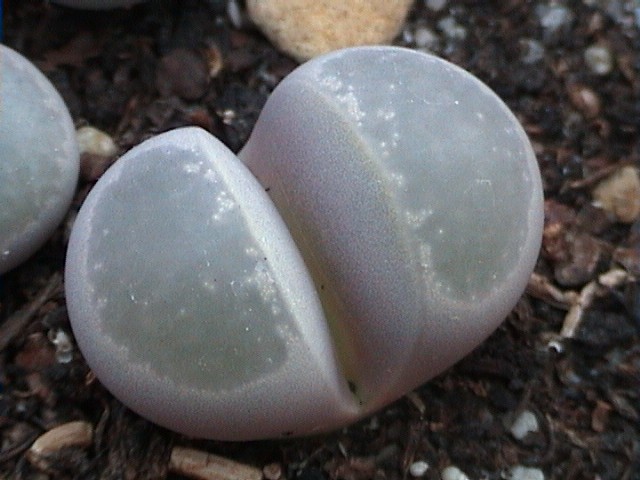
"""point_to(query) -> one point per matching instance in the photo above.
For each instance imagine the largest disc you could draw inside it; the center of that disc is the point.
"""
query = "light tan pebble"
(585, 100)
(71, 434)
(619, 194)
(95, 142)
(273, 471)
(307, 28)
(206, 466)
(613, 278)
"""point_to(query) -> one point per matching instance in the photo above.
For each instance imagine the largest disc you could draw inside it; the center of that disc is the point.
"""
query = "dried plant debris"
(569, 353)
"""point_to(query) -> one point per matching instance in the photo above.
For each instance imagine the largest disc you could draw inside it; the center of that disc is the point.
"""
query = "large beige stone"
(619, 194)
(307, 28)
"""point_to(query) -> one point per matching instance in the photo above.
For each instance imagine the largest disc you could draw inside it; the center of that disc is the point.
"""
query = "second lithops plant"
(401, 220)
(39, 159)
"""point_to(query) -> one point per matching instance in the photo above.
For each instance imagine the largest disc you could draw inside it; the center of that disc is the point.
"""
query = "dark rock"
(183, 73)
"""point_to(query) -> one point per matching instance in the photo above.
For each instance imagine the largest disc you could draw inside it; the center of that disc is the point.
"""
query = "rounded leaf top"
(418, 204)
(191, 302)
(39, 159)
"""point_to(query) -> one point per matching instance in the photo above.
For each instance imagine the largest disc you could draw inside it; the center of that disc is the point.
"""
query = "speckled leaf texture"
(394, 222)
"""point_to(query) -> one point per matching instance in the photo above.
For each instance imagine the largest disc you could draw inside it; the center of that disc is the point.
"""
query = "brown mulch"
(569, 352)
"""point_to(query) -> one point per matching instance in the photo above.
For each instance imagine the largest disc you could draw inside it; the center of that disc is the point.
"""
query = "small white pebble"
(556, 346)
(96, 142)
(435, 5)
(452, 29)
(62, 342)
(419, 468)
(524, 473)
(453, 473)
(599, 60)
(524, 424)
(425, 38)
(532, 51)
(552, 18)
(407, 35)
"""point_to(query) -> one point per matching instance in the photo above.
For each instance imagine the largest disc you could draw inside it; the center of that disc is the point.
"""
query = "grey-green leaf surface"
(402, 222)
(416, 199)
(39, 159)
(191, 302)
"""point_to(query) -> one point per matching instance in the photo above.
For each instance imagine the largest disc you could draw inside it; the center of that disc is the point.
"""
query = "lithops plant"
(39, 159)
(394, 222)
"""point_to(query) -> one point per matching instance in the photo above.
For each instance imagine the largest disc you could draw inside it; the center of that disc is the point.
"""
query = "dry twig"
(20, 319)
(541, 288)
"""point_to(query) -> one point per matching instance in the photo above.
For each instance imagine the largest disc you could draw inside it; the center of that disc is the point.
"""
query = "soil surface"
(569, 353)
